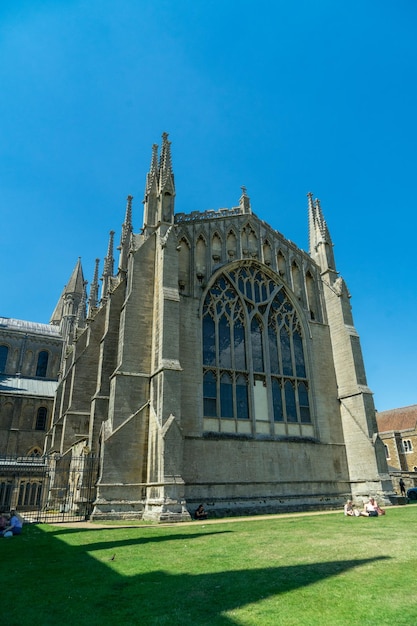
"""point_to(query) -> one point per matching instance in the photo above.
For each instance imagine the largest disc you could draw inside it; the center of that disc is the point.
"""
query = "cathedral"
(218, 363)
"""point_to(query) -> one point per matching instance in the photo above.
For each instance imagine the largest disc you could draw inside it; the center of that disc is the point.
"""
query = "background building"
(398, 431)
(30, 357)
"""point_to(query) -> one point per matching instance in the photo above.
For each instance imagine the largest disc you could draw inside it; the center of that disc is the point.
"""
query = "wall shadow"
(75, 586)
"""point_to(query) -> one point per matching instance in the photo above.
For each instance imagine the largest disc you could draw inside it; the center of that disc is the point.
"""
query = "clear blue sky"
(282, 97)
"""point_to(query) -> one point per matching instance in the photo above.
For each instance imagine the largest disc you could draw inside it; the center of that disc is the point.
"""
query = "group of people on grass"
(10, 524)
(370, 509)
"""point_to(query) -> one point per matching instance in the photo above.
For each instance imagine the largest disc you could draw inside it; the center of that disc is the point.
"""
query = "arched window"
(42, 365)
(252, 337)
(35, 453)
(41, 418)
(4, 351)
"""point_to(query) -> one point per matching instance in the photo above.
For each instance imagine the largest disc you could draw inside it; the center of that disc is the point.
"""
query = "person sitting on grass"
(350, 510)
(14, 525)
(3, 521)
(200, 513)
(372, 509)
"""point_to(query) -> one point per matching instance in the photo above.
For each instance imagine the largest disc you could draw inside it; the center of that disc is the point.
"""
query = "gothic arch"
(35, 452)
(296, 280)
(201, 255)
(281, 264)
(184, 265)
(267, 252)
(249, 241)
(216, 247)
(231, 244)
(311, 296)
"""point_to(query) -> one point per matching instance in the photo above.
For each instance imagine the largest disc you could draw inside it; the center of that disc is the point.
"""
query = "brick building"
(398, 431)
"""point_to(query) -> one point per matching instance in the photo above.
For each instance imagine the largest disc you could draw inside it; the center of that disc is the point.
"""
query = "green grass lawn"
(316, 569)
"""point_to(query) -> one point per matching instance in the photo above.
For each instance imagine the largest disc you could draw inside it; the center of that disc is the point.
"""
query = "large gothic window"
(252, 337)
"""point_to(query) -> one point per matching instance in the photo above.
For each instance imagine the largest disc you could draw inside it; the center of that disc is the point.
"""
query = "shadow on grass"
(140, 540)
(61, 582)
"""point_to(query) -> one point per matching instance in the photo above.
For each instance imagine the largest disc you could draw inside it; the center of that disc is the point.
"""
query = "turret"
(365, 453)
(321, 246)
(68, 306)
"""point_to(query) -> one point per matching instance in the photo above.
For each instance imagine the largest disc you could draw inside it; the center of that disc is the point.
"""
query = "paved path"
(221, 520)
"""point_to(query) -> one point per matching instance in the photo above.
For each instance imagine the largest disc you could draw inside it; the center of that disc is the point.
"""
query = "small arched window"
(4, 351)
(42, 365)
(35, 453)
(41, 418)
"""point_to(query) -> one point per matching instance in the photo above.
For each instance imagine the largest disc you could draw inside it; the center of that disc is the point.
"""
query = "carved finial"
(93, 297)
(244, 201)
(165, 162)
(152, 176)
(127, 224)
(109, 260)
(108, 267)
(80, 318)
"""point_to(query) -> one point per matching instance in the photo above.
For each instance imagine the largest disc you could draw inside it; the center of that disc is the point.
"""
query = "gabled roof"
(404, 418)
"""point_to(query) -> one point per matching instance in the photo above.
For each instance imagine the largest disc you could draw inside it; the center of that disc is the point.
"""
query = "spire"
(244, 201)
(166, 183)
(153, 176)
(76, 282)
(165, 163)
(93, 298)
(151, 191)
(320, 242)
(108, 268)
(71, 296)
(127, 230)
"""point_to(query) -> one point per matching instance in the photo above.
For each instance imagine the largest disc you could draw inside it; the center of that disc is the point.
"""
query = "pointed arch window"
(42, 365)
(252, 333)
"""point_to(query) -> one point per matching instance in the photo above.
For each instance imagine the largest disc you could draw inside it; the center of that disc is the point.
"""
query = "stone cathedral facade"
(220, 364)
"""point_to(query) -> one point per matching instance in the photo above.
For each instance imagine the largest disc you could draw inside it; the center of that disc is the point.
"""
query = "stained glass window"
(251, 329)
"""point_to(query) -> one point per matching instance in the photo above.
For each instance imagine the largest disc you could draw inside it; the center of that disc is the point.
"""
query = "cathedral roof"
(21, 386)
(8, 323)
(404, 418)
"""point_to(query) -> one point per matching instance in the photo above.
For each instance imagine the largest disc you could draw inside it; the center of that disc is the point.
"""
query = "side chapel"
(220, 364)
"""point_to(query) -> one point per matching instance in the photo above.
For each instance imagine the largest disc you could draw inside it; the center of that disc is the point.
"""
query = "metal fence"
(49, 488)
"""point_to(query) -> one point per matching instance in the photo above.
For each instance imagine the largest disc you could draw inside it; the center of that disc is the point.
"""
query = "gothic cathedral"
(220, 364)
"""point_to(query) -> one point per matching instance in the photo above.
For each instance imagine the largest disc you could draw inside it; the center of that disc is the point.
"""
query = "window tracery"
(252, 333)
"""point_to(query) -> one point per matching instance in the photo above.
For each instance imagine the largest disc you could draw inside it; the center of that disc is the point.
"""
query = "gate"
(49, 488)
